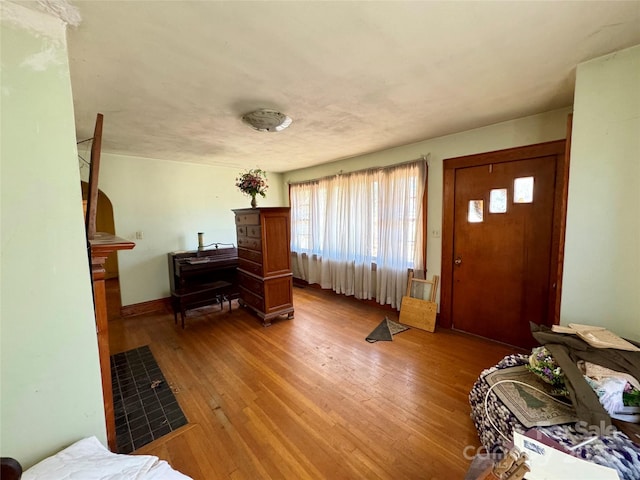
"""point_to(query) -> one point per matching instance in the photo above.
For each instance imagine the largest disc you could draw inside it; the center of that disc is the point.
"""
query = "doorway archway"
(104, 223)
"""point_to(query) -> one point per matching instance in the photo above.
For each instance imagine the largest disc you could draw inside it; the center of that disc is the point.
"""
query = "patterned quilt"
(615, 450)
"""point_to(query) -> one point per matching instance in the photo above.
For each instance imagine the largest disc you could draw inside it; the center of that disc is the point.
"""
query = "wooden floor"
(309, 397)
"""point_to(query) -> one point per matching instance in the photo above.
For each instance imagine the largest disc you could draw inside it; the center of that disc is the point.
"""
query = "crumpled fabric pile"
(610, 386)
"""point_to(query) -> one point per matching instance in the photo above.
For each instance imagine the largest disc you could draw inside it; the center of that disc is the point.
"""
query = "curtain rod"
(423, 158)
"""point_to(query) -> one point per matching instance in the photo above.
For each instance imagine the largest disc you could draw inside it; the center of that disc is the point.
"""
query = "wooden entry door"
(504, 216)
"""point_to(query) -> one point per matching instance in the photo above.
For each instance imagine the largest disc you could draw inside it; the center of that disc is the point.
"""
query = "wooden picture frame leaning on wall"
(420, 312)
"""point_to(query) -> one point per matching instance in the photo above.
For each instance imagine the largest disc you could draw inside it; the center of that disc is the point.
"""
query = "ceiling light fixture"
(265, 120)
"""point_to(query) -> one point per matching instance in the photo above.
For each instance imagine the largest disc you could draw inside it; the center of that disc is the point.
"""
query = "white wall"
(524, 131)
(170, 202)
(601, 284)
(51, 394)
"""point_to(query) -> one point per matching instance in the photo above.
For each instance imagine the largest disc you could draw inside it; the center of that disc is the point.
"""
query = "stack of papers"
(598, 337)
(547, 462)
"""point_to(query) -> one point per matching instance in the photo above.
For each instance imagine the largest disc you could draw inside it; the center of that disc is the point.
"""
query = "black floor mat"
(385, 331)
(144, 405)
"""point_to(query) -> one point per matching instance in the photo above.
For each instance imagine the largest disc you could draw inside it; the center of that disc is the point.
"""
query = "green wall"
(601, 284)
(169, 203)
(50, 392)
(539, 128)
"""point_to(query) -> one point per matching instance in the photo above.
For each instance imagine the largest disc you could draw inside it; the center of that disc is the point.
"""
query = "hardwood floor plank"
(309, 398)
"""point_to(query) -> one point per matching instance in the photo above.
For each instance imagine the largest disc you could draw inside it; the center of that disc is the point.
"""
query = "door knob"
(458, 260)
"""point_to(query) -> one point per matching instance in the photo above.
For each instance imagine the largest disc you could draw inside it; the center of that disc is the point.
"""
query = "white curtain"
(358, 233)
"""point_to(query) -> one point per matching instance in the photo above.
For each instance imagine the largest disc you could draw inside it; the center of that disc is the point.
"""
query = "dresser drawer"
(250, 267)
(248, 219)
(252, 300)
(254, 231)
(251, 255)
(252, 284)
(250, 243)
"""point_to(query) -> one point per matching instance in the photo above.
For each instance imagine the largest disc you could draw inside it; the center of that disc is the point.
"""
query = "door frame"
(559, 149)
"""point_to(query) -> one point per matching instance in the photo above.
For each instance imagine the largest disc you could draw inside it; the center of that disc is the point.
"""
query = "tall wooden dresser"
(264, 261)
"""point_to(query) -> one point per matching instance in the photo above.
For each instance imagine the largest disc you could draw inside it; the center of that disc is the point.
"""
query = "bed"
(88, 459)
(614, 450)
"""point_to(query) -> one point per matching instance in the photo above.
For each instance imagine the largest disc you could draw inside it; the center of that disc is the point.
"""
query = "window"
(498, 200)
(476, 211)
(361, 218)
(303, 221)
(523, 190)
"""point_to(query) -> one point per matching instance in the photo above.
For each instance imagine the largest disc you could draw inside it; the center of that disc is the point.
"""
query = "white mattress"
(88, 459)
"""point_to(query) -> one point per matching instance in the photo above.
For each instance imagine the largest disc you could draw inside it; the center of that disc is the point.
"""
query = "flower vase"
(254, 204)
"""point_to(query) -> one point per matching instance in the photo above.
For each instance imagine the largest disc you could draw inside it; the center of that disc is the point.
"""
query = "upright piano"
(202, 277)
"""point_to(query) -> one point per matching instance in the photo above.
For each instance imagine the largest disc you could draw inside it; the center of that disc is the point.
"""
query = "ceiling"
(173, 78)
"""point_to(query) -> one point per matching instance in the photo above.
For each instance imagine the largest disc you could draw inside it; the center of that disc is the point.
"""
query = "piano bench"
(201, 296)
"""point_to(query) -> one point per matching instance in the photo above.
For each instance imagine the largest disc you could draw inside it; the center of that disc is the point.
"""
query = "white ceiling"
(173, 78)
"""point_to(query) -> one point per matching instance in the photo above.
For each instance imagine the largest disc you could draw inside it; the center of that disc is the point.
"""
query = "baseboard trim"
(161, 305)
(300, 283)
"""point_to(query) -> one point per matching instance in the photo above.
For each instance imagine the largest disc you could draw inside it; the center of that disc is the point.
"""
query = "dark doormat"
(144, 405)
(385, 331)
